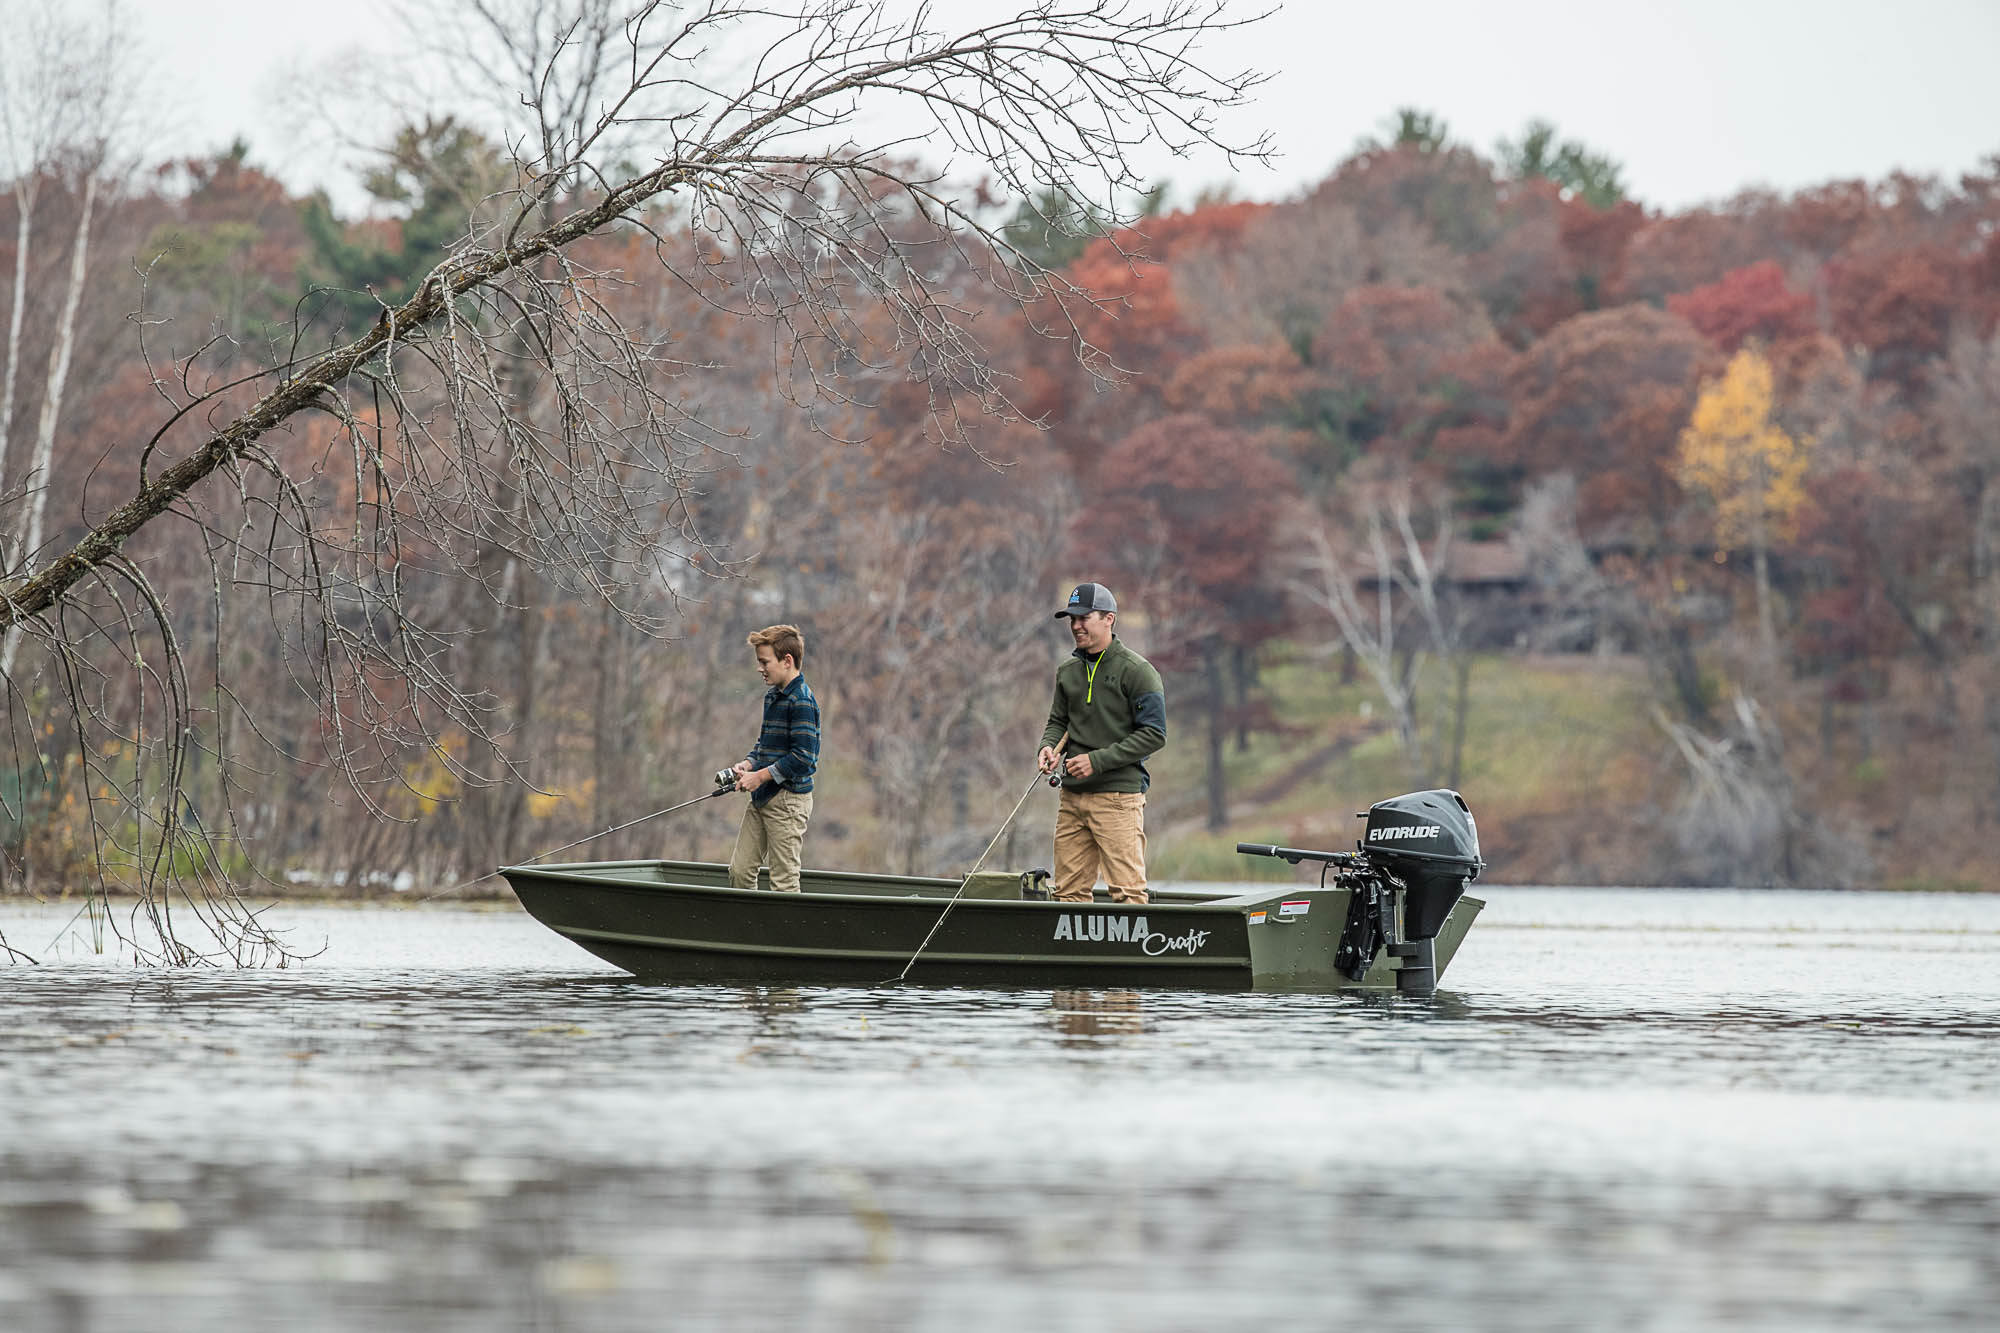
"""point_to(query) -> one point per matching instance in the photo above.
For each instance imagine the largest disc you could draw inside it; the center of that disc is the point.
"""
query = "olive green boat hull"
(681, 921)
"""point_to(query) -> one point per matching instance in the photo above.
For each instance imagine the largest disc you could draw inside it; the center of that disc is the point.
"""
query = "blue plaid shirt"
(788, 745)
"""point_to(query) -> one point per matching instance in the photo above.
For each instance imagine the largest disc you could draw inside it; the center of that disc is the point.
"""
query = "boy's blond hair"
(783, 641)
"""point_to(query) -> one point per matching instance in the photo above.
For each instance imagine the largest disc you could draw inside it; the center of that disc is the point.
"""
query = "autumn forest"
(1388, 475)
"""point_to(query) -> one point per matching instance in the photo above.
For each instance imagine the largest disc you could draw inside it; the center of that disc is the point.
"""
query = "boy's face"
(774, 669)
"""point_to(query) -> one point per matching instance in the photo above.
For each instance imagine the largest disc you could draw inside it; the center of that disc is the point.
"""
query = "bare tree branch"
(534, 415)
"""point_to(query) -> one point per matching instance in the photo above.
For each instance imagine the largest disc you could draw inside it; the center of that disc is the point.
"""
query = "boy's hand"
(751, 781)
(740, 767)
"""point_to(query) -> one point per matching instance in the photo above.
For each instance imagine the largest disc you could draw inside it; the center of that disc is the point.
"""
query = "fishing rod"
(725, 783)
(1054, 779)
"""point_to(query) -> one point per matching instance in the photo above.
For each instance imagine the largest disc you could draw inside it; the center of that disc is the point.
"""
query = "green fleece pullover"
(1117, 714)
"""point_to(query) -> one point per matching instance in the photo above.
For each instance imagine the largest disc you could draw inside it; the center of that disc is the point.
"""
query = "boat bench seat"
(1008, 884)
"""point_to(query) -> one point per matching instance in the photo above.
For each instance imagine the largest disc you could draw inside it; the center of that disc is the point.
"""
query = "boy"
(779, 772)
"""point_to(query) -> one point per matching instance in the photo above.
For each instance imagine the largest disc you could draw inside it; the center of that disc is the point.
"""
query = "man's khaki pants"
(772, 834)
(1101, 830)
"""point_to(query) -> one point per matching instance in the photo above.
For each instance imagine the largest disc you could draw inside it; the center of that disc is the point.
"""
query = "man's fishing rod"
(1054, 780)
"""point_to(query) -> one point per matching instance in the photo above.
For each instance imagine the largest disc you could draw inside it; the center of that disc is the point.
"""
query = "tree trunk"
(1408, 727)
(1244, 663)
(1677, 648)
(24, 199)
(1218, 806)
(52, 396)
(1767, 634)
(1461, 706)
(1993, 737)
(607, 774)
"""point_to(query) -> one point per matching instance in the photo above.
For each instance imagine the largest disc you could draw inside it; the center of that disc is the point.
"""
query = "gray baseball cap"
(1088, 597)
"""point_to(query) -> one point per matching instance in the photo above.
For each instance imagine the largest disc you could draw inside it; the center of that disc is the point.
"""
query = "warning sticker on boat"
(1256, 918)
(1296, 907)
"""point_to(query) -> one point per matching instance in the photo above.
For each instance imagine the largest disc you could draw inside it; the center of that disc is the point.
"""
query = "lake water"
(1629, 1110)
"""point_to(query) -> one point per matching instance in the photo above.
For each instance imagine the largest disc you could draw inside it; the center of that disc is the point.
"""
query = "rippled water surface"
(1625, 1110)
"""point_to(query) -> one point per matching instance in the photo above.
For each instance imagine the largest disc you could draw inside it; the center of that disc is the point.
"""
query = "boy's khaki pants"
(1101, 830)
(772, 834)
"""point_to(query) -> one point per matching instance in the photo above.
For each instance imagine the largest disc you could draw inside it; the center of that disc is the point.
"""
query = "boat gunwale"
(567, 874)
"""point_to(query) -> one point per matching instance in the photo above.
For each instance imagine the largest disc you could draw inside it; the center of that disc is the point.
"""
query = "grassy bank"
(1543, 737)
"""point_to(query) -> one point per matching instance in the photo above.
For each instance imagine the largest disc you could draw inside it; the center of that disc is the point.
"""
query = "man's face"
(1092, 633)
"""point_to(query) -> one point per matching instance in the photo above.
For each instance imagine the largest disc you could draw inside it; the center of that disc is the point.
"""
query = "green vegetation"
(1541, 734)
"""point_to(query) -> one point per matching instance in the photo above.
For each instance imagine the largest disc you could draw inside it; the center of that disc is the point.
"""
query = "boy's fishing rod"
(725, 783)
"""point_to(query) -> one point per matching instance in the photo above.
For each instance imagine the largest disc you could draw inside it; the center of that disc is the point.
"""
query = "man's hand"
(749, 780)
(1078, 766)
(1047, 760)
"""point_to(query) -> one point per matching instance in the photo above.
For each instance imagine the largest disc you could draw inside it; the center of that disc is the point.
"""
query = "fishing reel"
(725, 779)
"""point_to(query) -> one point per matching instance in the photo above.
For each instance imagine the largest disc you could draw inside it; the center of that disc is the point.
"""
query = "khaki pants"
(1101, 830)
(772, 834)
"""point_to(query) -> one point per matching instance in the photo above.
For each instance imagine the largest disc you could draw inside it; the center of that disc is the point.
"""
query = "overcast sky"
(1697, 99)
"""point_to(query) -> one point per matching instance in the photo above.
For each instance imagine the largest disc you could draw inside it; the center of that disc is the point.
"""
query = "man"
(779, 772)
(1110, 712)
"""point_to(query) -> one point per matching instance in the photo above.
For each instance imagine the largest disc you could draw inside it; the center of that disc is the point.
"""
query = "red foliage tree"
(1192, 507)
(1596, 239)
(1134, 323)
(1184, 515)
(1450, 192)
(1846, 626)
(1823, 221)
(1241, 385)
(1137, 324)
(1395, 350)
(1754, 302)
(1678, 254)
(1604, 397)
(1899, 304)
(1526, 279)
(1986, 286)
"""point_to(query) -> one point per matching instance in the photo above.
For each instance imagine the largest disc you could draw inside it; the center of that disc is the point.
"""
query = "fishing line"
(1033, 783)
(705, 796)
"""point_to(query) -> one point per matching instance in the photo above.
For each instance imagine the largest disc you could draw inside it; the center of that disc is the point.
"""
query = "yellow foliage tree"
(1748, 466)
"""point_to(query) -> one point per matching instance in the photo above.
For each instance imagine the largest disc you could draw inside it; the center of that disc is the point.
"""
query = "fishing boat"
(1389, 915)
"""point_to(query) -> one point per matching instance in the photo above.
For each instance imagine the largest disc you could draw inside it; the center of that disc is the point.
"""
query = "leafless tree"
(1969, 410)
(506, 424)
(61, 96)
(1739, 821)
(1404, 574)
(953, 617)
(1256, 291)
(1634, 606)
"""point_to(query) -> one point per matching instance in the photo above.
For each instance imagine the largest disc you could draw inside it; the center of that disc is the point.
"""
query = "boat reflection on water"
(1441, 1004)
(1089, 1013)
(772, 1001)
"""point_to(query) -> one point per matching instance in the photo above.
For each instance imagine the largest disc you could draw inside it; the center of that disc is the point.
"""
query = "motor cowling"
(1427, 840)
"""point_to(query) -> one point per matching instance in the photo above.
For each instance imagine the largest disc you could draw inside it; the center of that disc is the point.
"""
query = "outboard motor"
(1416, 855)
(1428, 841)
